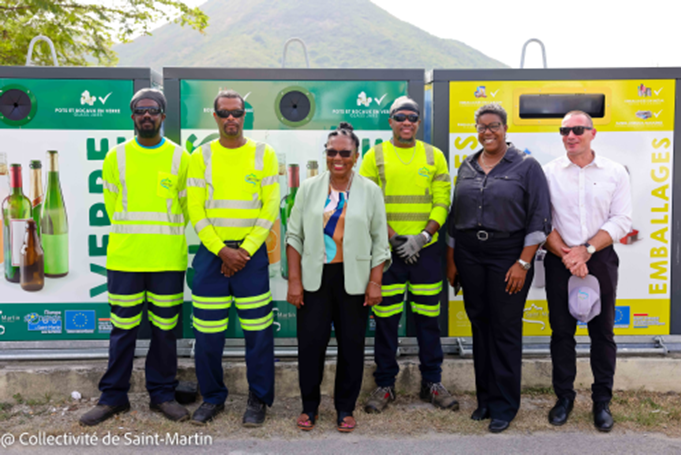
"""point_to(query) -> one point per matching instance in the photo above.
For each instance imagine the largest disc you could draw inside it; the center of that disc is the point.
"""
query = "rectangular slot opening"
(555, 106)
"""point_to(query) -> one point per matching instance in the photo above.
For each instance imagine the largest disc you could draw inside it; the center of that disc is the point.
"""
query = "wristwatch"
(427, 235)
(590, 248)
(524, 265)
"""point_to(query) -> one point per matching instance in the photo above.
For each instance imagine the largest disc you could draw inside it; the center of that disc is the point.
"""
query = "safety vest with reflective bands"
(233, 194)
(146, 200)
(415, 190)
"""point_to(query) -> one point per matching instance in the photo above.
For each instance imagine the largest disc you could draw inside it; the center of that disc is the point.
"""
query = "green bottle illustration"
(16, 210)
(285, 208)
(54, 223)
(35, 191)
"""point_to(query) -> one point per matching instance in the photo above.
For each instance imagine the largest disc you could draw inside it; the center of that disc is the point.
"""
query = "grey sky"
(577, 33)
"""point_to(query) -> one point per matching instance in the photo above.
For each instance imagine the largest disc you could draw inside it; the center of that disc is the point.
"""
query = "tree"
(84, 31)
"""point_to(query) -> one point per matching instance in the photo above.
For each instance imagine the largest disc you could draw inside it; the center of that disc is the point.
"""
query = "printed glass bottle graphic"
(35, 191)
(4, 192)
(54, 224)
(275, 252)
(286, 207)
(32, 261)
(16, 210)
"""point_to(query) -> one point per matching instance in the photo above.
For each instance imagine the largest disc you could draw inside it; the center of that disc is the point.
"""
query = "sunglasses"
(413, 118)
(493, 127)
(578, 130)
(331, 153)
(236, 113)
(153, 111)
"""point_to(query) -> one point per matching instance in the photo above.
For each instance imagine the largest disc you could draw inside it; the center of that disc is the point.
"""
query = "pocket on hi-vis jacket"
(166, 185)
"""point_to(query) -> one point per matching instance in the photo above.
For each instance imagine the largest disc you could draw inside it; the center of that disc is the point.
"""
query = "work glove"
(397, 240)
(411, 246)
(412, 259)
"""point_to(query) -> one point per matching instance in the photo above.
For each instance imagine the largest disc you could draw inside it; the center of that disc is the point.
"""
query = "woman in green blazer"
(337, 250)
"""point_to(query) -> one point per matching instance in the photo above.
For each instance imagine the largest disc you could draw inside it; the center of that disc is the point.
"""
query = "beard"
(147, 133)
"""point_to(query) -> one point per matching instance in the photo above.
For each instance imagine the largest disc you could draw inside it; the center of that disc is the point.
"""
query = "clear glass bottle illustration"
(16, 210)
(32, 261)
(286, 207)
(54, 224)
(312, 168)
(274, 239)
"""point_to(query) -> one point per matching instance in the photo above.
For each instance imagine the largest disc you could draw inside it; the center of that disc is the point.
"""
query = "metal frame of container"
(440, 80)
(73, 349)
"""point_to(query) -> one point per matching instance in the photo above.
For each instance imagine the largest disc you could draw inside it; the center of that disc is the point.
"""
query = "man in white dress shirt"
(591, 208)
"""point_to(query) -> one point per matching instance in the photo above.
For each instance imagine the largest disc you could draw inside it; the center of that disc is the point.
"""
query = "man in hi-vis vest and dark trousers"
(416, 186)
(146, 200)
(233, 201)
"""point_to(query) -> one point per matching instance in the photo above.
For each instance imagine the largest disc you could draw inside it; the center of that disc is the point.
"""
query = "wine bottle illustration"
(4, 192)
(285, 208)
(274, 243)
(16, 210)
(32, 264)
(54, 224)
(35, 191)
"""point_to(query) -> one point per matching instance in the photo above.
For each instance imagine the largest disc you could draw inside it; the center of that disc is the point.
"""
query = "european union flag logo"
(80, 321)
(622, 317)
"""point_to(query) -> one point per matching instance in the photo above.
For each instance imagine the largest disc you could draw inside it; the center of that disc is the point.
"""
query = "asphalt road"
(539, 443)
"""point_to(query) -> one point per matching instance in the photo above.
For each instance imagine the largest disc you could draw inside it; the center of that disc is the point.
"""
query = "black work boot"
(255, 411)
(102, 412)
(172, 410)
(206, 412)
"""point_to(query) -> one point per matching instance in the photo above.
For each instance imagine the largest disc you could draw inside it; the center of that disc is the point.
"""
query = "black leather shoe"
(482, 413)
(255, 411)
(206, 412)
(602, 416)
(497, 426)
(559, 414)
(172, 410)
(102, 412)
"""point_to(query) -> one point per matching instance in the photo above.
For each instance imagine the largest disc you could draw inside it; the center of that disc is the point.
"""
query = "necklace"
(488, 166)
(413, 154)
(347, 188)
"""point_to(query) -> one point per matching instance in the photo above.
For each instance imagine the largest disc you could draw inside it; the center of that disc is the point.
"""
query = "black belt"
(234, 244)
(483, 235)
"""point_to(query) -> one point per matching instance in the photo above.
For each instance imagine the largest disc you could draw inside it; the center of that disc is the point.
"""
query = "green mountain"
(338, 34)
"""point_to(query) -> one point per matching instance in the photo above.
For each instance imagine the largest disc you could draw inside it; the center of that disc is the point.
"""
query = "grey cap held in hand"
(149, 94)
(584, 297)
(404, 103)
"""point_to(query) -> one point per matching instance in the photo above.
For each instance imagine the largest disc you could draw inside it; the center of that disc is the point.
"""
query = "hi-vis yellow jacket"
(414, 191)
(233, 194)
(146, 200)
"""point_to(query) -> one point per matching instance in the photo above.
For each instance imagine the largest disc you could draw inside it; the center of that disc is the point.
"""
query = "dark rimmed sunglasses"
(413, 118)
(578, 130)
(153, 111)
(493, 127)
(236, 113)
(331, 153)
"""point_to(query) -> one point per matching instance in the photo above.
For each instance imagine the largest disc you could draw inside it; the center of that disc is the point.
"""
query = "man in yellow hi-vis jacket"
(233, 199)
(146, 200)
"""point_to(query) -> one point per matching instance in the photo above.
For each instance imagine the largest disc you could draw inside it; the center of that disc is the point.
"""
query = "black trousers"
(603, 265)
(331, 304)
(496, 318)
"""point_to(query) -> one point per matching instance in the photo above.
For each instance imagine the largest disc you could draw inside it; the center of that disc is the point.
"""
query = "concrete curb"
(35, 380)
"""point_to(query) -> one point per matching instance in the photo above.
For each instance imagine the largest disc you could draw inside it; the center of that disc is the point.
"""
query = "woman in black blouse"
(500, 215)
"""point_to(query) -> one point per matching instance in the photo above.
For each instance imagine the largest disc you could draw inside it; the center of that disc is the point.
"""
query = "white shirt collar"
(597, 161)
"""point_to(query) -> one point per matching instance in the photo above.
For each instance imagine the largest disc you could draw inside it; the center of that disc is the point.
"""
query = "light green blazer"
(365, 240)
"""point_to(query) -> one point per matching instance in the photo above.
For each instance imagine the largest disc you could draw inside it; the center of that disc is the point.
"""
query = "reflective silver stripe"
(201, 224)
(444, 206)
(208, 162)
(182, 194)
(409, 199)
(149, 216)
(146, 229)
(259, 155)
(110, 186)
(120, 158)
(380, 165)
(269, 180)
(442, 178)
(232, 204)
(430, 159)
(233, 222)
(408, 217)
(266, 224)
(196, 183)
(177, 160)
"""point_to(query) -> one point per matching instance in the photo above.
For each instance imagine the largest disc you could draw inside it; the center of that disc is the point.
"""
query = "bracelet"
(374, 283)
